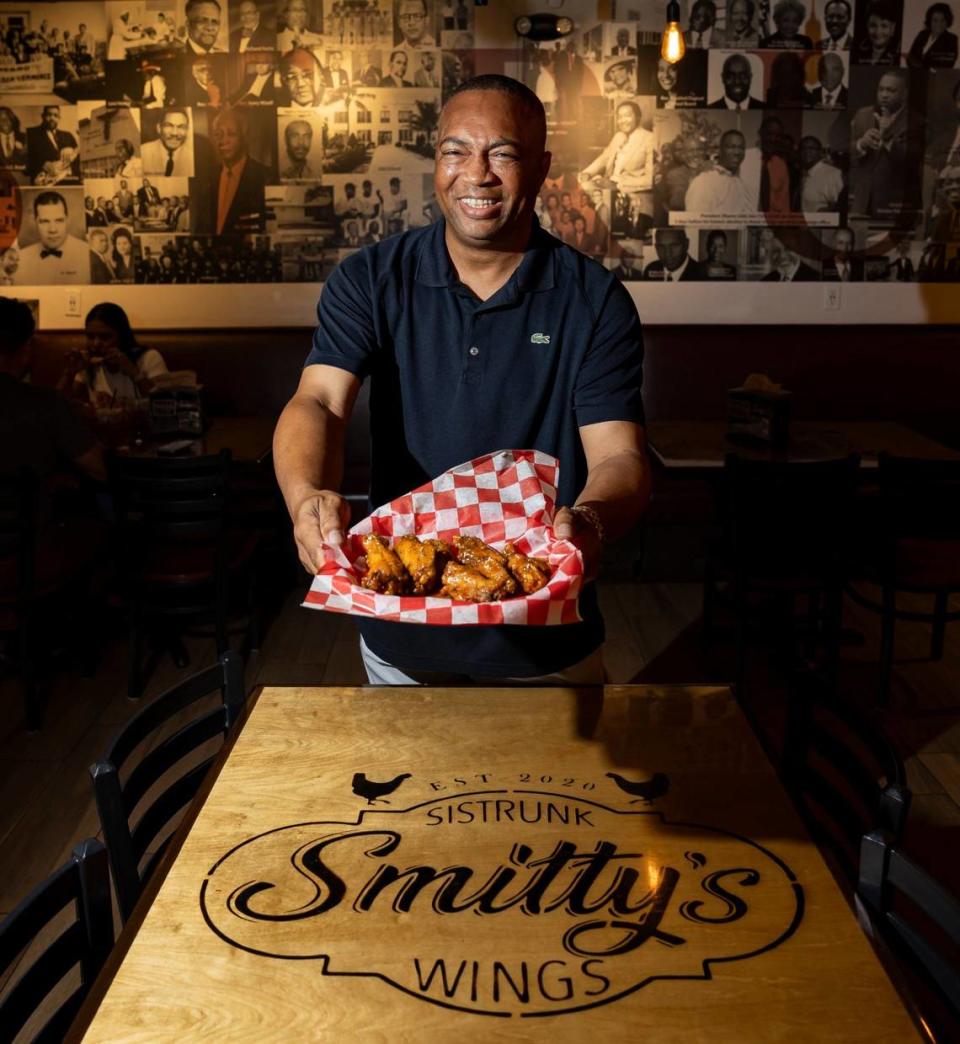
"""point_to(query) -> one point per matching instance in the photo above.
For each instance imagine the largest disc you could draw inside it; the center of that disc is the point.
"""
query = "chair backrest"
(117, 799)
(83, 881)
(926, 927)
(841, 770)
(794, 508)
(171, 498)
(920, 498)
(18, 528)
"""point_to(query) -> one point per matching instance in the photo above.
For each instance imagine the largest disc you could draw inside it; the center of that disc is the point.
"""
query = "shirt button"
(474, 350)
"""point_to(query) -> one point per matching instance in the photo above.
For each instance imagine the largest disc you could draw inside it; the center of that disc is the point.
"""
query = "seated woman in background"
(114, 370)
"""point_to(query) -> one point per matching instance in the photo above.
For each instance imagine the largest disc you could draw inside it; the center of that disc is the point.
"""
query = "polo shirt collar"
(535, 272)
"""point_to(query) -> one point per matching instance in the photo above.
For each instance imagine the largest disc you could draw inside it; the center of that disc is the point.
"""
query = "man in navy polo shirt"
(480, 332)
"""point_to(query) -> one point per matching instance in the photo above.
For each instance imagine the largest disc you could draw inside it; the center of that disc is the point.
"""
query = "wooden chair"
(182, 564)
(782, 535)
(84, 882)
(117, 800)
(842, 772)
(918, 921)
(912, 546)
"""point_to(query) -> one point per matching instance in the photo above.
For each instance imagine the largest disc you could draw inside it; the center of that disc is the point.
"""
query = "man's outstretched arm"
(308, 454)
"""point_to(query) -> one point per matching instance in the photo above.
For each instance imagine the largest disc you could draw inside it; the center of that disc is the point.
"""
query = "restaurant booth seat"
(915, 925)
(842, 773)
(911, 546)
(182, 562)
(45, 571)
(176, 736)
(782, 535)
(77, 947)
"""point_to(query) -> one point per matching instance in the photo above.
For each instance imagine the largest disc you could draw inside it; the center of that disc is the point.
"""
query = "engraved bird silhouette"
(646, 790)
(374, 791)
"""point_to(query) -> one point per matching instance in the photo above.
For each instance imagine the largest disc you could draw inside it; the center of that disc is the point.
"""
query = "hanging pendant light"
(672, 46)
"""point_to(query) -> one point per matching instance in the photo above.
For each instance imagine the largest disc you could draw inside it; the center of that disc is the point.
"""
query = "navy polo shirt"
(453, 377)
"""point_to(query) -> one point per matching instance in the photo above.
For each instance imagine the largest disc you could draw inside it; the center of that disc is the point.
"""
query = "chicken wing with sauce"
(530, 573)
(385, 573)
(463, 584)
(477, 555)
(424, 561)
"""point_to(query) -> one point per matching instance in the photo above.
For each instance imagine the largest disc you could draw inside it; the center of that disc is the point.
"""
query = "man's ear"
(544, 168)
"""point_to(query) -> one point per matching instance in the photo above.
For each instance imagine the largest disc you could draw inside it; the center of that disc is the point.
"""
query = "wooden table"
(437, 864)
(698, 447)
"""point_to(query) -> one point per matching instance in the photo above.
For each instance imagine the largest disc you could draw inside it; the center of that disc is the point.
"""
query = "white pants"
(588, 671)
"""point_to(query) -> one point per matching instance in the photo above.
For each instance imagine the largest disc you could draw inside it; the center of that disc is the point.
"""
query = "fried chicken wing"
(530, 573)
(424, 561)
(385, 573)
(463, 584)
(488, 562)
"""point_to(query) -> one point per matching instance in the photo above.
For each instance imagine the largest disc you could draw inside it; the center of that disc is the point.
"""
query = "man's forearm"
(308, 450)
(618, 489)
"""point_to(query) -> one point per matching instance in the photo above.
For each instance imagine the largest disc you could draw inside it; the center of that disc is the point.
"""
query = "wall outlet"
(831, 297)
(73, 304)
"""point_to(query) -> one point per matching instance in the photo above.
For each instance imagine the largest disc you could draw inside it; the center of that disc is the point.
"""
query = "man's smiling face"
(490, 165)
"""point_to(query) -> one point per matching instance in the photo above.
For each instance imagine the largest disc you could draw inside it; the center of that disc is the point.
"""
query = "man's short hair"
(842, 3)
(16, 325)
(46, 199)
(507, 85)
(191, 5)
(177, 110)
(716, 234)
(47, 108)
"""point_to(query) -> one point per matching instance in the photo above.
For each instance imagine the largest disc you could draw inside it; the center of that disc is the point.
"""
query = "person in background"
(901, 268)
(296, 31)
(788, 17)
(821, 187)
(716, 266)
(203, 26)
(58, 257)
(786, 266)
(114, 369)
(122, 255)
(737, 78)
(154, 94)
(128, 164)
(829, 92)
(251, 34)
(13, 142)
(740, 31)
(674, 263)
(881, 44)
(38, 429)
(934, 47)
(841, 266)
(52, 154)
(488, 276)
(837, 16)
(101, 263)
(703, 18)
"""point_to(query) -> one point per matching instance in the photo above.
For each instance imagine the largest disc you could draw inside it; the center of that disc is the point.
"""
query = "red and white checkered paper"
(505, 496)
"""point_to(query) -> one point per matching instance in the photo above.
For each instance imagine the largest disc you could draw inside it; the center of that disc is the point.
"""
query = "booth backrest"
(907, 374)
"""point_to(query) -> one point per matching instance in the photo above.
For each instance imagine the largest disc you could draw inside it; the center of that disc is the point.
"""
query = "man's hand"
(322, 517)
(871, 141)
(572, 526)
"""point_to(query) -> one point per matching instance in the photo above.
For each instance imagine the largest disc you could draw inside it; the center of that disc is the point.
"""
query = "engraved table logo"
(506, 902)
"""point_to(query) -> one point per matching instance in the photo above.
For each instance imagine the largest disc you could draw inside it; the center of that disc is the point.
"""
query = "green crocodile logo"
(539, 338)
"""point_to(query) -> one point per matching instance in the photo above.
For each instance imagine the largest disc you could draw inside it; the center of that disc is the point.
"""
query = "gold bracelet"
(591, 516)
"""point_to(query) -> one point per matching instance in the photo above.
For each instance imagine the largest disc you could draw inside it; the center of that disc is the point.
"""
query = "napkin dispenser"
(176, 407)
(759, 411)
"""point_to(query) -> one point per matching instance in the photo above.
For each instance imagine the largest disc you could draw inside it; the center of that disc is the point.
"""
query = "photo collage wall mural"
(239, 141)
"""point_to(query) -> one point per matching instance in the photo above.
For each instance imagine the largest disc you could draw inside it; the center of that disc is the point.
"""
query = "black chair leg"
(32, 701)
(709, 601)
(740, 610)
(887, 637)
(134, 656)
(939, 625)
